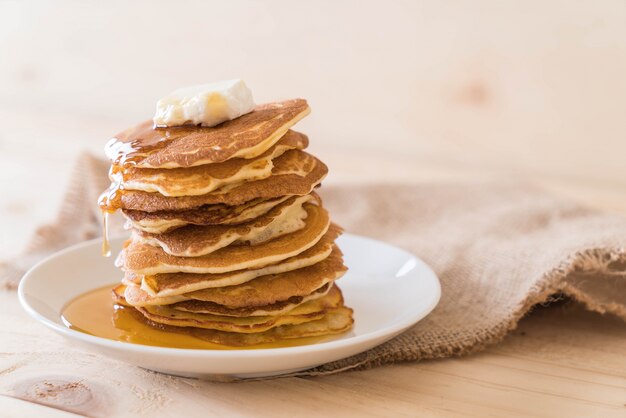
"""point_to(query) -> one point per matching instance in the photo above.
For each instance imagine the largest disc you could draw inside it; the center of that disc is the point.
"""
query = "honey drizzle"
(106, 247)
(128, 148)
(108, 202)
(111, 199)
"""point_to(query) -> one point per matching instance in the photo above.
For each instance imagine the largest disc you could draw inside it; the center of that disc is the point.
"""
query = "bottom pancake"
(335, 321)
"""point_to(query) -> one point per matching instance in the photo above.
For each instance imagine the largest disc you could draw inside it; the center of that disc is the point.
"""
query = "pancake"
(170, 284)
(335, 321)
(147, 260)
(274, 309)
(194, 241)
(264, 290)
(308, 311)
(134, 296)
(273, 288)
(294, 173)
(164, 221)
(198, 180)
(187, 146)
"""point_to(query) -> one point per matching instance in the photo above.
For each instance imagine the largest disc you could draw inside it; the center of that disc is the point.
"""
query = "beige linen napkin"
(498, 249)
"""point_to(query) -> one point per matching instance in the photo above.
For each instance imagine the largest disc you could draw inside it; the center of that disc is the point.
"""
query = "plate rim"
(326, 346)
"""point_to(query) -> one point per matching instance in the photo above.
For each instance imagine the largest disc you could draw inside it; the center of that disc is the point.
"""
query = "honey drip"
(95, 313)
(111, 199)
(106, 247)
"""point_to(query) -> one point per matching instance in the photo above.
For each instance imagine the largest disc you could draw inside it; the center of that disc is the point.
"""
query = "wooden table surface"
(401, 91)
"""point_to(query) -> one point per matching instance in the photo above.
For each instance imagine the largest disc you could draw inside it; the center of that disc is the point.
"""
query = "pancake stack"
(229, 243)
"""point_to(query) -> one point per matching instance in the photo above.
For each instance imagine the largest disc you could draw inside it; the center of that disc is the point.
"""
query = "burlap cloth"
(498, 249)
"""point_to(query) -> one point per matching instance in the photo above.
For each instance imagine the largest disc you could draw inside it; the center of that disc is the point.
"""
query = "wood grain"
(400, 91)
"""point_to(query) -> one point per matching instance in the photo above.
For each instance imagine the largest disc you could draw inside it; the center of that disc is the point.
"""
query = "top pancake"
(191, 181)
(186, 146)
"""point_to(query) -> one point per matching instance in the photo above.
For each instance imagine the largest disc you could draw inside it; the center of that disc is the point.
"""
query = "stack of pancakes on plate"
(229, 240)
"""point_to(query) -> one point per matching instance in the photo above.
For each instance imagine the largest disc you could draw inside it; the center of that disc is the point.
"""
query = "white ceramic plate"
(388, 288)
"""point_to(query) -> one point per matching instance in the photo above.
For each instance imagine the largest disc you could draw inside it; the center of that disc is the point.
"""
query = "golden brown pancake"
(264, 290)
(334, 321)
(294, 173)
(308, 311)
(170, 284)
(273, 288)
(194, 241)
(164, 221)
(136, 296)
(146, 259)
(274, 309)
(199, 180)
(133, 294)
(186, 146)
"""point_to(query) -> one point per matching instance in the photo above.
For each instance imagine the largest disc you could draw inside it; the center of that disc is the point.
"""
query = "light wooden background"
(400, 90)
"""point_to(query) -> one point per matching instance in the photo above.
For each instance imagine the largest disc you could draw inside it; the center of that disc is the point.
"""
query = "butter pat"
(205, 105)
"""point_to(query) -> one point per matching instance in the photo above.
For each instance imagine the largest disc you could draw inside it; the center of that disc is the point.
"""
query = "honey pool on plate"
(96, 313)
